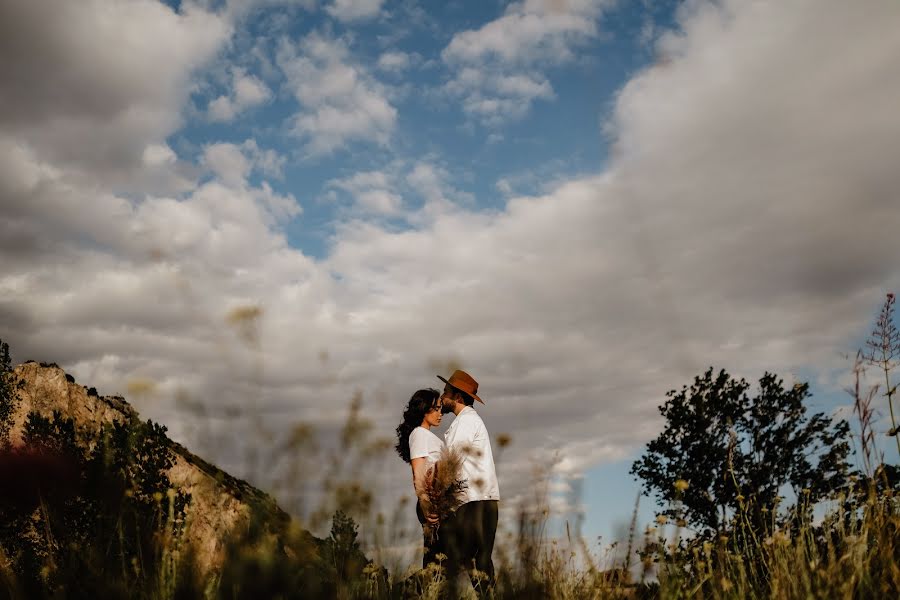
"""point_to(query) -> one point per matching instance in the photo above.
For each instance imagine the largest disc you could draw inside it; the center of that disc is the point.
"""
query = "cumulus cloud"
(493, 97)
(535, 31)
(156, 155)
(227, 162)
(432, 182)
(394, 61)
(354, 10)
(747, 219)
(340, 102)
(425, 183)
(247, 92)
(233, 163)
(498, 68)
(268, 162)
(101, 74)
(372, 191)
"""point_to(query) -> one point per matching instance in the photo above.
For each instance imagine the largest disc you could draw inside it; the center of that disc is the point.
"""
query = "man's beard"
(446, 410)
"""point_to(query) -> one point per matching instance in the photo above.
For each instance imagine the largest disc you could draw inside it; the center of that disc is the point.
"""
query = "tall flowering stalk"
(862, 407)
(883, 351)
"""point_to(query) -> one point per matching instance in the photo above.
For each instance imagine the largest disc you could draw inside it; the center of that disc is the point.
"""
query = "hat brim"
(463, 391)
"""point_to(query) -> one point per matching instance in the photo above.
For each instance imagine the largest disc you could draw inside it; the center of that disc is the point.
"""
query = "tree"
(9, 395)
(88, 516)
(723, 451)
(343, 547)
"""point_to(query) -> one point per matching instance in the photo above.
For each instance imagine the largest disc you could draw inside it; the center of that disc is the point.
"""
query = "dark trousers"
(434, 544)
(468, 540)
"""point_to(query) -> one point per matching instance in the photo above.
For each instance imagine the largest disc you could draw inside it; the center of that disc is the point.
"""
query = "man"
(472, 529)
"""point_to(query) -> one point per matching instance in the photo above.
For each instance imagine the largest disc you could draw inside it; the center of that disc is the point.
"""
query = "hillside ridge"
(221, 504)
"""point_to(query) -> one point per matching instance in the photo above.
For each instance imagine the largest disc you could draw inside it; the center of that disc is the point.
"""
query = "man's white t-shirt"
(424, 444)
(468, 434)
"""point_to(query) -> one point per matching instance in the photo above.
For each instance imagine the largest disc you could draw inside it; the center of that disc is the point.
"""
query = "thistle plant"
(883, 351)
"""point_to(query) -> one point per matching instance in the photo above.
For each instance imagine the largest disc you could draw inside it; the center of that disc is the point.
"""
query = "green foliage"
(734, 452)
(91, 521)
(342, 548)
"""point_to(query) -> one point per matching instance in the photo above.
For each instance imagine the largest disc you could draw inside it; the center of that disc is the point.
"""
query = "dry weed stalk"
(862, 408)
(444, 489)
(884, 352)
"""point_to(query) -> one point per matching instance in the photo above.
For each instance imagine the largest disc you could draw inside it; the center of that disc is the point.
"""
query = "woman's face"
(433, 416)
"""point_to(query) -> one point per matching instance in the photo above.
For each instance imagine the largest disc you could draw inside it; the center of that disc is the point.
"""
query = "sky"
(279, 204)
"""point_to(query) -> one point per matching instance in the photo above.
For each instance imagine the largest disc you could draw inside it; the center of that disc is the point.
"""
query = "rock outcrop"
(220, 504)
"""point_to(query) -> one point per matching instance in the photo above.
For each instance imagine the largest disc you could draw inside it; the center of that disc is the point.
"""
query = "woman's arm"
(418, 471)
(420, 484)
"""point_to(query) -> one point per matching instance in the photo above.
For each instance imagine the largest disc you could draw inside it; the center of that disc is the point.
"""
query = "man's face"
(447, 400)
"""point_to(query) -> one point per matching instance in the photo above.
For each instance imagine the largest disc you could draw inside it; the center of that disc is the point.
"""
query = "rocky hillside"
(220, 504)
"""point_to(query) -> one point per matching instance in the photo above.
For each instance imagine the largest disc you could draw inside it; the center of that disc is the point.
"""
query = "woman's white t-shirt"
(424, 444)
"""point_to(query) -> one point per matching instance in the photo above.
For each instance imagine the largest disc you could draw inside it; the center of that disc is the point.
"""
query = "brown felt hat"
(464, 383)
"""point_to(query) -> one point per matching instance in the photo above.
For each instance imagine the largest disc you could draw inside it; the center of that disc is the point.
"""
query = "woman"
(418, 446)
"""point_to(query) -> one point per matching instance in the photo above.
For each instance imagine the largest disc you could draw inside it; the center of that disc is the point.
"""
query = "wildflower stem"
(890, 397)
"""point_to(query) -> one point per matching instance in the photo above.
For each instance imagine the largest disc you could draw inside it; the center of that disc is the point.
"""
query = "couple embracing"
(454, 479)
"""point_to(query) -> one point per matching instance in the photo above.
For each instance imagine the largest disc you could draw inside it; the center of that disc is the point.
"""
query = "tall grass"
(851, 549)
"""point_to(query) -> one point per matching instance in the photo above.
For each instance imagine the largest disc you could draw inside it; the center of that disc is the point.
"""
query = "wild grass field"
(102, 519)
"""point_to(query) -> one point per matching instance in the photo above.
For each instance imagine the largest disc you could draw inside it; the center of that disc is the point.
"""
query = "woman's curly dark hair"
(419, 405)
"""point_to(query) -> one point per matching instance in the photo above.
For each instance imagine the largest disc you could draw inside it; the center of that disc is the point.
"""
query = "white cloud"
(227, 162)
(533, 32)
(268, 162)
(156, 155)
(247, 92)
(428, 180)
(499, 65)
(426, 184)
(432, 183)
(354, 10)
(494, 97)
(232, 163)
(372, 191)
(340, 102)
(394, 61)
(122, 88)
(380, 201)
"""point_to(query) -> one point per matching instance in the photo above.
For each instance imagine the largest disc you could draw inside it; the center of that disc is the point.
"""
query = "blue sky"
(584, 203)
(555, 137)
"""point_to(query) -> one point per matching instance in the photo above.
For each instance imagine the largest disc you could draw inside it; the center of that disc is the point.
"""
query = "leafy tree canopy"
(723, 450)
